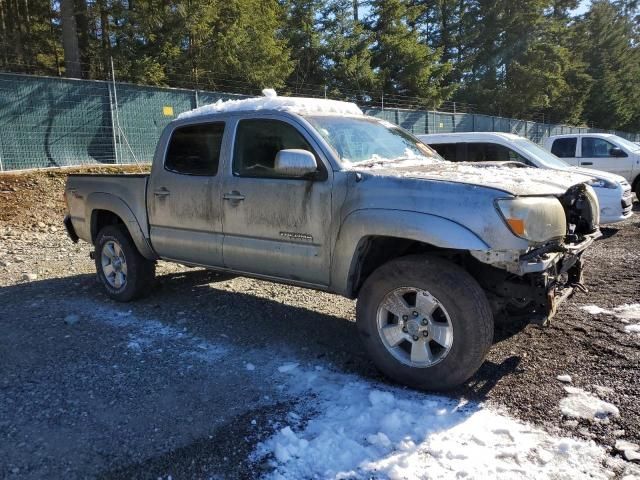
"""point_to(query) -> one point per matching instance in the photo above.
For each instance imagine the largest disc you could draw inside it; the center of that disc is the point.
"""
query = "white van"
(614, 192)
(600, 151)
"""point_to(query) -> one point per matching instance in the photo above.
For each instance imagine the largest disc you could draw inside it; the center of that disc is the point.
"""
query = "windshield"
(362, 140)
(547, 159)
(626, 143)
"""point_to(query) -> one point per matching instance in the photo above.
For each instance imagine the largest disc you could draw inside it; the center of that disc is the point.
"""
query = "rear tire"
(444, 325)
(122, 270)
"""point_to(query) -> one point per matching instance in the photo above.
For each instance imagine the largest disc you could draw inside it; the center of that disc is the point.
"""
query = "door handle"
(162, 192)
(586, 163)
(234, 196)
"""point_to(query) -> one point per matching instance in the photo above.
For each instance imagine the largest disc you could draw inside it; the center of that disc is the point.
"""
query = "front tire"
(425, 322)
(122, 270)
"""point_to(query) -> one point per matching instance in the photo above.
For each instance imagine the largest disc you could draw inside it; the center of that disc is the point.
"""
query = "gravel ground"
(92, 388)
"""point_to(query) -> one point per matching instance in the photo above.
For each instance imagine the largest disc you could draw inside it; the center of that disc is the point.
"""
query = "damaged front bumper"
(536, 282)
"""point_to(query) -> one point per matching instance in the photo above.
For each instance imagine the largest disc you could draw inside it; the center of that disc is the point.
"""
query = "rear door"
(183, 196)
(276, 225)
(597, 153)
(565, 148)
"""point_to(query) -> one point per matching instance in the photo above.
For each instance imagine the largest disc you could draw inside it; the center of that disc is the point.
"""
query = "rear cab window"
(564, 147)
(195, 149)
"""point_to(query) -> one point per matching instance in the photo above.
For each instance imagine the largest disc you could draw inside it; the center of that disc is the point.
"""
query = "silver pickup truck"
(315, 194)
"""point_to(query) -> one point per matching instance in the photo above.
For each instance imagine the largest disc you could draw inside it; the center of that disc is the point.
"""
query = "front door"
(596, 153)
(185, 216)
(275, 225)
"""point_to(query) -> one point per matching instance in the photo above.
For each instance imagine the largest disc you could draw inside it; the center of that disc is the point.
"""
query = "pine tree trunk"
(70, 39)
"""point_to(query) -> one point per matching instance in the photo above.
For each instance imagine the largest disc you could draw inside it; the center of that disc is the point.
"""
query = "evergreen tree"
(612, 54)
(347, 58)
(402, 63)
(304, 41)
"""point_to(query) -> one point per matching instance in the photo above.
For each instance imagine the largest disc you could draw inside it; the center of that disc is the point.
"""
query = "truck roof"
(460, 136)
(564, 135)
(271, 101)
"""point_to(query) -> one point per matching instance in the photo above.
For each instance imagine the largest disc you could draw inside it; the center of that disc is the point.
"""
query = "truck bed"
(83, 190)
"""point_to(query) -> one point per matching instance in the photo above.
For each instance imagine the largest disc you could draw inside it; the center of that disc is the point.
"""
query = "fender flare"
(117, 206)
(422, 227)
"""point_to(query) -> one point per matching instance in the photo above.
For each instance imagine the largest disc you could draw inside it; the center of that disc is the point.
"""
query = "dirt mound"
(36, 196)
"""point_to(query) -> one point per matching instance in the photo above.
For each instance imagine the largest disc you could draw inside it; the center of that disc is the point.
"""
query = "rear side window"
(195, 149)
(446, 151)
(564, 147)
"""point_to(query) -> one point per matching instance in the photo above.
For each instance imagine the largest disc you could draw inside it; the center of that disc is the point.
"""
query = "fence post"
(473, 122)
(1, 164)
(113, 126)
(195, 96)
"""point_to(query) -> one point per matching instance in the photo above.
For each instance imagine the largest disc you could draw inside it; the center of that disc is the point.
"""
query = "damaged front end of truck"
(534, 282)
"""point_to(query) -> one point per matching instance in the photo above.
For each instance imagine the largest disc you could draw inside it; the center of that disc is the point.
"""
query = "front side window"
(447, 151)
(257, 144)
(492, 152)
(195, 149)
(564, 147)
(596, 148)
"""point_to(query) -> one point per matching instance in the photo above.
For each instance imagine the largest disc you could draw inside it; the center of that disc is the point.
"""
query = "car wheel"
(122, 270)
(425, 322)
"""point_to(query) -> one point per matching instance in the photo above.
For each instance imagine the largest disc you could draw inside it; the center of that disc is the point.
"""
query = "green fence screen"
(54, 122)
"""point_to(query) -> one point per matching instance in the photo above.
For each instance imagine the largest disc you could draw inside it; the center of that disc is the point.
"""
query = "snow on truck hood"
(514, 180)
(270, 101)
(612, 177)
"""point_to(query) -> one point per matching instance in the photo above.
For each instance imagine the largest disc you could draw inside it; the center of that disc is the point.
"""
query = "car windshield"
(547, 159)
(367, 140)
(626, 143)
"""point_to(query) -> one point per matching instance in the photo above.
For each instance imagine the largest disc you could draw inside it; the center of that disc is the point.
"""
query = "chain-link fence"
(54, 122)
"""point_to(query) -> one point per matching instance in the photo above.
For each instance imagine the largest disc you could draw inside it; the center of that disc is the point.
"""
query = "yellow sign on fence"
(167, 111)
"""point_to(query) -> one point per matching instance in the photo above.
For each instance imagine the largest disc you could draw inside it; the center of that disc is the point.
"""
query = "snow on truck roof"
(270, 101)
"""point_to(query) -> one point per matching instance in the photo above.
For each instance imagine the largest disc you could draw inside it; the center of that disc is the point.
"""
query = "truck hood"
(612, 177)
(510, 177)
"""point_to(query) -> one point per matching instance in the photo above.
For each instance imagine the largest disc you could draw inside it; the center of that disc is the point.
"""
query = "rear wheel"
(122, 270)
(425, 322)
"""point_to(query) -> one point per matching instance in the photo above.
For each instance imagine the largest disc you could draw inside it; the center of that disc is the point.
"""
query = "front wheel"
(122, 270)
(425, 322)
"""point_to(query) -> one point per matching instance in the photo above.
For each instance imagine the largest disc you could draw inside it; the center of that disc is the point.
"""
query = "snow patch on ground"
(625, 313)
(270, 101)
(581, 404)
(632, 328)
(152, 336)
(287, 367)
(595, 310)
(564, 378)
(359, 429)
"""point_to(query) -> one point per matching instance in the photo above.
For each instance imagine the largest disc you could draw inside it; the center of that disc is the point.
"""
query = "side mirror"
(617, 152)
(295, 163)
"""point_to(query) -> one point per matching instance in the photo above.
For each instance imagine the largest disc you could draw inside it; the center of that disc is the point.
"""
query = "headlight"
(602, 183)
(537, 219)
